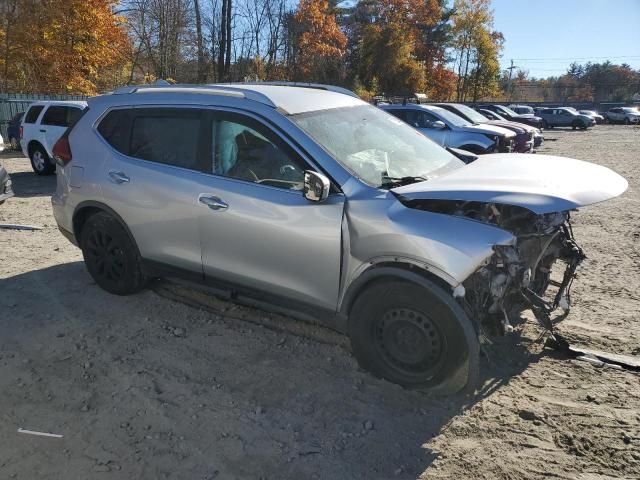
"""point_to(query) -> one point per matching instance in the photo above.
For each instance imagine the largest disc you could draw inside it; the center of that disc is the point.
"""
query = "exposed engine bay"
(536, 273)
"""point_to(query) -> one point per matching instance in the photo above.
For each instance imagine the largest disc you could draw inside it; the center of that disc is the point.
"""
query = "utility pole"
(510, 75)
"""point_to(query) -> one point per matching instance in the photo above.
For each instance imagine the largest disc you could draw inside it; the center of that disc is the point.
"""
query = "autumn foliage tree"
(320, 43)
(63, 46)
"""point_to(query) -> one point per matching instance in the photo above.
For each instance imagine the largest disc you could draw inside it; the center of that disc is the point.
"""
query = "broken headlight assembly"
(536, 273)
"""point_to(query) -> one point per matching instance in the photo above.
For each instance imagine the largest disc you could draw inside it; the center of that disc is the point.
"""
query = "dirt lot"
(149, 387)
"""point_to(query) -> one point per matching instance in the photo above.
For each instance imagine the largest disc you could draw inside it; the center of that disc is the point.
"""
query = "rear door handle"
(43, 131)
(118, 177)
(213, 202)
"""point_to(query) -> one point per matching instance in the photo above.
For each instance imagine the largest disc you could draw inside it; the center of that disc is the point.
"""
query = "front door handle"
(213, 202)
(118, 177)
(43, 131)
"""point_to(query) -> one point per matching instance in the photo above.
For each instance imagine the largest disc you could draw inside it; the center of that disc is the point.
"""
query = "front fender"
(450, 247)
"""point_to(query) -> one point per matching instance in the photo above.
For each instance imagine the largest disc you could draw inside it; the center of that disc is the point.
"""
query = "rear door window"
(167, 135)
(60, 116)
(33, 114)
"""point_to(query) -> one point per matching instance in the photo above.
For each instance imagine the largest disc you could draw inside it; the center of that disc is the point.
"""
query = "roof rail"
(224, 90)
(319, 86)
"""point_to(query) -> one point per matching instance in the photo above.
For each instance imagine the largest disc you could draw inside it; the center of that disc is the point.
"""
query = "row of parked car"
(310, 201)
(486, 129)
(563, 116)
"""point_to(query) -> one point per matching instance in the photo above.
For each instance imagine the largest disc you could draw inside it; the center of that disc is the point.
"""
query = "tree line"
(448, 51)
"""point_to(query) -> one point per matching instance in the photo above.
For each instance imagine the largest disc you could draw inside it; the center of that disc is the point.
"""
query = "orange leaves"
(67, 46)
(321, 41)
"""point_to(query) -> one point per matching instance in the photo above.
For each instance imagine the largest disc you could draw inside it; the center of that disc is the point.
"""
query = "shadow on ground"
(147, 387)
(28, 184)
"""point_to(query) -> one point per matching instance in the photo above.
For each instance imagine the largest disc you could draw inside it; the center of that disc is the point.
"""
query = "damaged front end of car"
(535, 273)
(531, 199)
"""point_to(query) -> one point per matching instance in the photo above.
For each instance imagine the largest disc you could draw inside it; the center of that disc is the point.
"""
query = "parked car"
(450, 130)
(525, 135)
(522, 109)
(327, 207)
(566, 117)
(593, 114)
(512, 116)
(43, 124)
(538, 138)
(6, 191)
(624, 115)
(13, 131)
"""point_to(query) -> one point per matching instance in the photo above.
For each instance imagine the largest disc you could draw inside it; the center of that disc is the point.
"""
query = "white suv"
(42, 126)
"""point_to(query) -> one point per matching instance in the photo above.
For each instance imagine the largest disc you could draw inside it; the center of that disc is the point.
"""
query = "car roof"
(290, 99)
(62, 103)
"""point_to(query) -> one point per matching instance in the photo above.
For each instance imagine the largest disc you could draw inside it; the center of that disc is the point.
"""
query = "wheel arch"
(386, 271)
(84, 210)
(33, 144)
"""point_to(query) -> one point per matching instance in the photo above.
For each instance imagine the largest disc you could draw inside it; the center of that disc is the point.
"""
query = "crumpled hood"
(540, 183)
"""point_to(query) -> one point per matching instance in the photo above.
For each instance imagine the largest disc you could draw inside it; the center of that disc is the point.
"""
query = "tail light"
(62, 150)
(21, 131)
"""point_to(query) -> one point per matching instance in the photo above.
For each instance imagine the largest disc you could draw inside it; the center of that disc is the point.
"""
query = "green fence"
(13, 103)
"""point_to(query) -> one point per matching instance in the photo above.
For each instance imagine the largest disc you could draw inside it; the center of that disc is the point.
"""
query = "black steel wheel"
(110, 255)
(410, 342)
(413, 335)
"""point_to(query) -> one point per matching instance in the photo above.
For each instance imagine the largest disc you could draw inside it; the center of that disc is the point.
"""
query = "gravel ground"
(174, 384)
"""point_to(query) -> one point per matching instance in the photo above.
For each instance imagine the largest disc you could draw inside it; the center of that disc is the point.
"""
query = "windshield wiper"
(399, 181)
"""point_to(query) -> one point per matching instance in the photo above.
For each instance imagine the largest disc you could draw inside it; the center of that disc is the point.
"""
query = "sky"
(545, 36)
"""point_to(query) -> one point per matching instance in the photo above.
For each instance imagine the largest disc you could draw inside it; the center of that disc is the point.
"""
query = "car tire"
(40, 161)
(545, 125)
(626, 121)
(413, 335)
(111, 256)
(15, 143)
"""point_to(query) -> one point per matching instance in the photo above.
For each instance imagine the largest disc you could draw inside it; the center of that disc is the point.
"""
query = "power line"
(576, 58)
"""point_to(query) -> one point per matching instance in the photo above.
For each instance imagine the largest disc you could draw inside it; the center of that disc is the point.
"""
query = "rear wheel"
(111, 256)
(545, 125)
(40, 161)
(15, 144)
(414, 336)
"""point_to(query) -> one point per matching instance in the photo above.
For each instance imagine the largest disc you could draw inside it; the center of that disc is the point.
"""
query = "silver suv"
(318, 204)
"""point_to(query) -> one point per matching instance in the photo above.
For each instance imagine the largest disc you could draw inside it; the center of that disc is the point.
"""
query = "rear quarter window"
(33, 114)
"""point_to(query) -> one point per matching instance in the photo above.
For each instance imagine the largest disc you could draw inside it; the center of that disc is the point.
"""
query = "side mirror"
(316, 186)
(438, 125)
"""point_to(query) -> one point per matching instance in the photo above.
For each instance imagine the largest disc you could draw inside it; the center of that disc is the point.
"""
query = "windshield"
(375, 146)
(630, 110)
(450, 117)
(471, 114)
(507, 110)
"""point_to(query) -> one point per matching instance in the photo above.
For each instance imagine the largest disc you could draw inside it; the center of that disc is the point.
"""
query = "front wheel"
(15, 144)
(626, 121)
(111, 256)
(415, 336)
